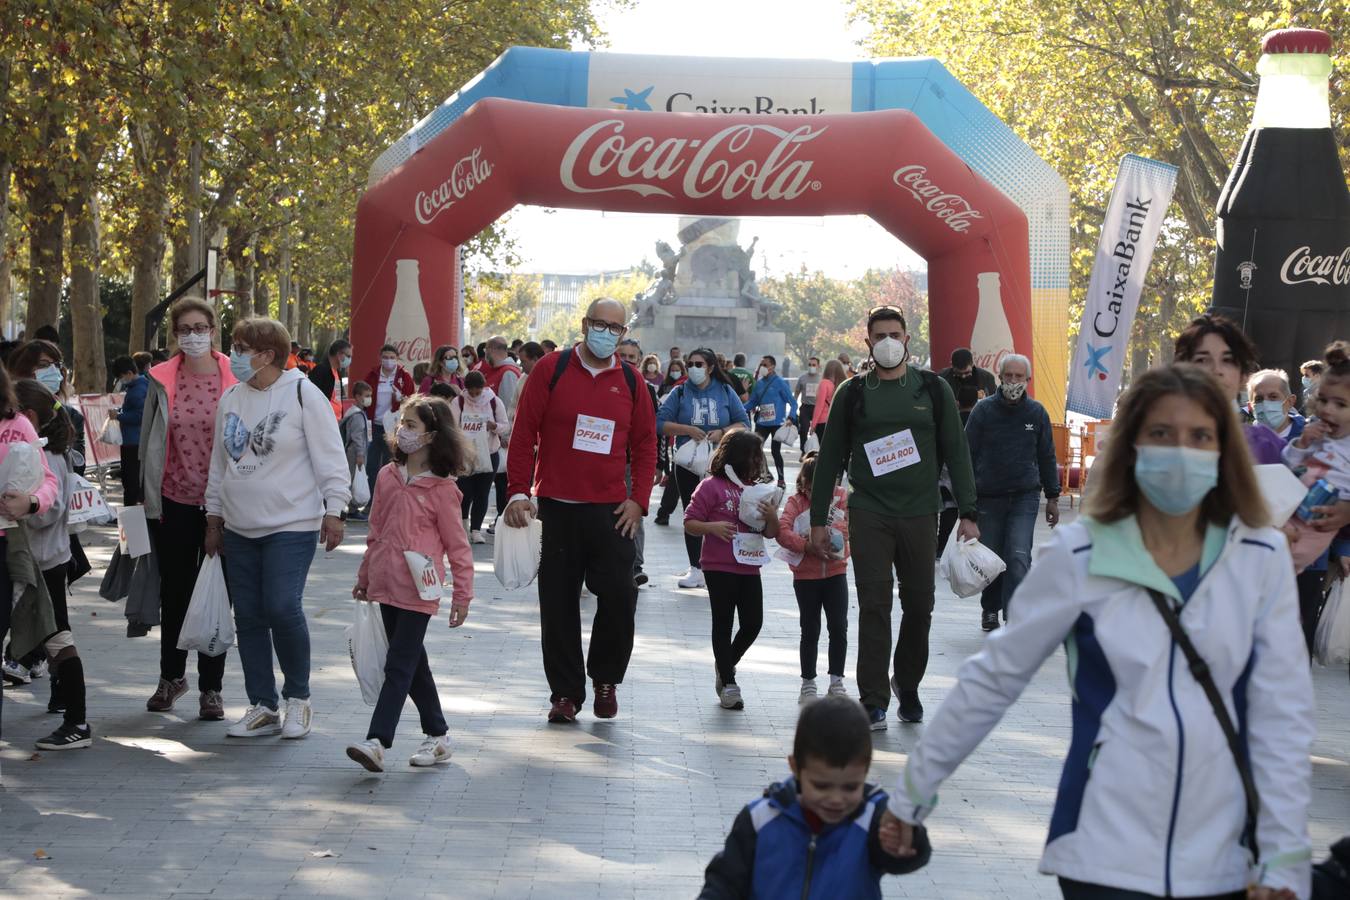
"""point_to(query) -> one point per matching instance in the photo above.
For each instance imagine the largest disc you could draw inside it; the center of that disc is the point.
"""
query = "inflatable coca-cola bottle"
(1283, 263)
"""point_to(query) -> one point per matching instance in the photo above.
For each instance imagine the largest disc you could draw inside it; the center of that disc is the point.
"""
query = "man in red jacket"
(587, 416)
(390, 383)
(501, 373)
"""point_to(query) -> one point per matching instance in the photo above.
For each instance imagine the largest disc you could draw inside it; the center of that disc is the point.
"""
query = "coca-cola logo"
(1302, 267)
(465, 175)
(413, 350)
(952, 210)
(686, 165)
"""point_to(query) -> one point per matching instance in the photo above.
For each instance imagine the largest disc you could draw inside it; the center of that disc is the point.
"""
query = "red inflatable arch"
(501, 153)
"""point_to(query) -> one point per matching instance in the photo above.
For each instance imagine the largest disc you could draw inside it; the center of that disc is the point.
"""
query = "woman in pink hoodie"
(413, 528)
(819, 582)
(481, 416)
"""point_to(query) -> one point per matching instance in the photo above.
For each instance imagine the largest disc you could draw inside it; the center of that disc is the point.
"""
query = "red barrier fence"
(95, 408)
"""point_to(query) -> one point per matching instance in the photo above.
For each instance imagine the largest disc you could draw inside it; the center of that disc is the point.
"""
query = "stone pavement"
(165, 806)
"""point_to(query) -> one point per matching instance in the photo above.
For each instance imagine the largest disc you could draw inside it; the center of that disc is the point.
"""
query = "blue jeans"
(1007, 525)
(377, 454)
(266, 580)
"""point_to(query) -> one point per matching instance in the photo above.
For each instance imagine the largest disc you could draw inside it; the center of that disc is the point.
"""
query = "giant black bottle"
(1283, 264)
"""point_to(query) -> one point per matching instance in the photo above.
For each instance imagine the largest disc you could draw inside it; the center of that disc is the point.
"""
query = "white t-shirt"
(384, 396)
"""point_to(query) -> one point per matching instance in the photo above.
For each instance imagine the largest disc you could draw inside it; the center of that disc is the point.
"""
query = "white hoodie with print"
(277, 462)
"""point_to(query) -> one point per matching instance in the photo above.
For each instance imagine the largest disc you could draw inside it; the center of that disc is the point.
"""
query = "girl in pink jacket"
(820, 582)
(415, 525)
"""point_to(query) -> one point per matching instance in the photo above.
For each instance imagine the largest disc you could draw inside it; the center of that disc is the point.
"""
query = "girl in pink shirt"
(414, 527)
(732, 553)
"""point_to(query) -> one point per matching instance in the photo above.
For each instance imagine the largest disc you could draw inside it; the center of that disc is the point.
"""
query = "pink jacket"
(812, 567)
(420, 515)
(824, 397)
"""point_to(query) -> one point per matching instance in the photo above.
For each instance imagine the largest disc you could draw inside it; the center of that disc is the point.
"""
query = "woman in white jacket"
(278, 485)
(481, 415)
(1151, 802)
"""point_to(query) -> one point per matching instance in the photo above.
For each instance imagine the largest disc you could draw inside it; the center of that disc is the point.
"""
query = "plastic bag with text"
(1331, 646)
(969, 566)
(368, 645)
(208, 626)
(515, 553)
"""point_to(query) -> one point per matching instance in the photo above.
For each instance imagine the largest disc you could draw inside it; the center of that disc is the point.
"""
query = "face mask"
(345, 363)
(1270, 413)
(1175, 479)
(387, 366)
(1013, 391)
(195, 345)
(813, 369)
(889, 353)
(698, 376)
(651, 370)
(241, 364)
(602, 344)
(50, 376)
(1307, 382)
(409, 441)
(452, 365)
(365, 401)
(761, 372)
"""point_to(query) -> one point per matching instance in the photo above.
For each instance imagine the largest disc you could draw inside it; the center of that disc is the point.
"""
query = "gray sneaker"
(731, 697)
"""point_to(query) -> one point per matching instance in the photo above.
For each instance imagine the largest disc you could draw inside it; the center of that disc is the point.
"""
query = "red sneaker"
(606, 701)
(564, 710)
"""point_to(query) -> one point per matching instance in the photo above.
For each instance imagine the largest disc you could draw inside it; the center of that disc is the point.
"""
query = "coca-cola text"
(412, 350)
(466, 174)
(776, 176)
(952, 210)
(1302, 267)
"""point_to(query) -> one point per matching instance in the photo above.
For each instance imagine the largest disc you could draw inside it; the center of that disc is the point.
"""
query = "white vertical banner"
(1133, 220)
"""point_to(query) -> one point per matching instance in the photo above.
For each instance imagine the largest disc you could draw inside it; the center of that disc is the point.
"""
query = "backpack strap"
(565, 358)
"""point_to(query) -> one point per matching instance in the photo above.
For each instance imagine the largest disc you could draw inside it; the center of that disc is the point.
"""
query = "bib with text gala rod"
(892, 452)
(593, 435)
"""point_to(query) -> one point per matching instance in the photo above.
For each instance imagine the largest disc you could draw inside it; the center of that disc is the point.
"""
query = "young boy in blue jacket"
(817, 834)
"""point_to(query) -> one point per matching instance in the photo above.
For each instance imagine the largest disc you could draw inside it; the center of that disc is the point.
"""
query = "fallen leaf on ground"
(35, 757)
(40, 854)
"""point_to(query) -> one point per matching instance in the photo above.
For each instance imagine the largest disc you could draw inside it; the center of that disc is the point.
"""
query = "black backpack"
(932, 383)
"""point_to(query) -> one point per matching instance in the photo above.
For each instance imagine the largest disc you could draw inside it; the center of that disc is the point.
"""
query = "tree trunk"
(151, 150)
(189, 255)
(302, 304)
(6, 263)
(285, 296)
(46, 236)
(86, 312)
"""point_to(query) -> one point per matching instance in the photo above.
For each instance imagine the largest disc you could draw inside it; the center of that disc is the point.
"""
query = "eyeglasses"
(601, 327)
(185, 330)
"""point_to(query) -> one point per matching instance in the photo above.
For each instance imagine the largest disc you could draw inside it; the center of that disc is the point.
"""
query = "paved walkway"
(164, 806)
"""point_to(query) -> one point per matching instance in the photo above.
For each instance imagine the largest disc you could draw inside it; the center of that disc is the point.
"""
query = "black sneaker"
(662, 520)
(911, 710)
(67, 737)
(640, 578)
(877, 717)
(989, 621)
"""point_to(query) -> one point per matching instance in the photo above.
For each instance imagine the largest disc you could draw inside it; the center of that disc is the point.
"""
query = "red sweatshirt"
(569, 462)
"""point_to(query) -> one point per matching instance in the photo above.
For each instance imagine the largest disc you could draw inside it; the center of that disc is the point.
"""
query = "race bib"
(593, 435)
(749, 550)
(787, 556)
(892, 452)
(810, 392)
(472, 424)
(424, 576)
(767, 411)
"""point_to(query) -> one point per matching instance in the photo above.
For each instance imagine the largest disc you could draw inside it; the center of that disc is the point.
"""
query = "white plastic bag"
(360, 487)
(111, 433)
(86, 504)
(21, 471)
(752, 497)
(515, 553)
(1331, 646)
(694, 456)
(969, 566)
(208, 626)
(368, 645)
(482, 455)
(787, 434)
(812, 443)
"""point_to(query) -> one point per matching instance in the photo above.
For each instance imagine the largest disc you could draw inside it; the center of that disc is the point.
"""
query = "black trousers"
(1310, 599)
(406, 675)
(804, 415)
(831, 595)
(66, 671)
(670, 495)
(180, 540)
(131, 474)
(686, 481)
(580, 544)
(477, 490)
(767, 432)
(731, 595)
(499, 485)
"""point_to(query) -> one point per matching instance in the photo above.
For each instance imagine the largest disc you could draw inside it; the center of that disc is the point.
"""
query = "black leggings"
(730, 596)
(831, 595)
(66, 671)
(477, 490)
(1310, 602)
(686, 481)
(767, 432)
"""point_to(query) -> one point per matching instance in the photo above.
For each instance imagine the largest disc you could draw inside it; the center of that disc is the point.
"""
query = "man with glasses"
(892, 428)
(585, 414)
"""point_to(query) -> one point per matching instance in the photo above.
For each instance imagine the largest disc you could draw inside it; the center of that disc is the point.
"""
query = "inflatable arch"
(898, 140)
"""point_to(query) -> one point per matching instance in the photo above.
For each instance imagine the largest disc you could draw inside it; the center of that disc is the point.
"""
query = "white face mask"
(388, 366)
(888, 352)
(195, 345)
(698, 375)
(761, 371)
(813, 369)
(365, 400)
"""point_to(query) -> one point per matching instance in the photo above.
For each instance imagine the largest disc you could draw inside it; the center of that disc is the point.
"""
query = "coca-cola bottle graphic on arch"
(407, 328)
(1283, 265)
(991, 339)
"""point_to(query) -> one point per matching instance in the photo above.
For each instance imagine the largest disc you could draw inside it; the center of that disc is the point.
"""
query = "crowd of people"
(1183, 607)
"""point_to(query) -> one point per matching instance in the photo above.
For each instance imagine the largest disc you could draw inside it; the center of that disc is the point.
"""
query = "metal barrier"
(98, 456)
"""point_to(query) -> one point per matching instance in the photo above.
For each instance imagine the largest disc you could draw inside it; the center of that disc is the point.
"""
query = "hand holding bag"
(515, 553)
(969, 566)
(360, 487)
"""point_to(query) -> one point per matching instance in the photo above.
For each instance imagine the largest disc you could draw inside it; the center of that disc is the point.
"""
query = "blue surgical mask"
(1175, 479)
(697, 375)
(602, 343)
(50, 377)
(1270, 413)
(452, 364)
(241, 364)
(345, 363)
(1307, 382)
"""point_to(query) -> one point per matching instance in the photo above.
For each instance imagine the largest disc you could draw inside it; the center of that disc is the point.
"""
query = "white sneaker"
(692, 579)
(808, 694)
(477, 538)
(836, 688)
(369, 753)
(433, 750)
(15, 673)
(39, 670)
(298, 716)
(731, 697)
(259, 721)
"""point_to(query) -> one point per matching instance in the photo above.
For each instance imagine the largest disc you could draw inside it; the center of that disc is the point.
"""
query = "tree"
(494, 304)
(818, 312)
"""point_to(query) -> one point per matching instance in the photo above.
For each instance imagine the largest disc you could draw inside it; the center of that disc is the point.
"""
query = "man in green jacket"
(894, 427)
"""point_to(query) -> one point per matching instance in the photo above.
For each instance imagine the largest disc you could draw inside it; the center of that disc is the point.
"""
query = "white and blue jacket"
(772, 852)
(771, 390)
(714, 406)
(1150, 798)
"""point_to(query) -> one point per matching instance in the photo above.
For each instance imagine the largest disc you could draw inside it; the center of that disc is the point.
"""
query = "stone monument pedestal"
(718, 323)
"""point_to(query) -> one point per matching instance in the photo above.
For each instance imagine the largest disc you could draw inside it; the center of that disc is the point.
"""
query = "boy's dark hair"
(532, 350)
(449, 450)
(442, 390)
(47, 333)
(835, 731)
(883, 314)
(772, 361)
(549, 346)
(122, 365)
(143, 359)
(475, 379)
(744, 452)
(1241, 346)
(52, 421)
(739, 360)
(360, 387)
(388, 348)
